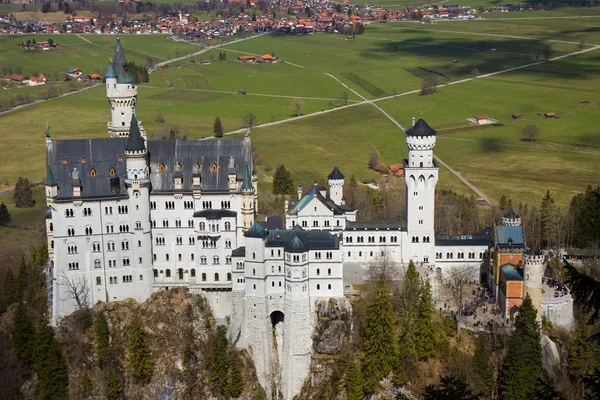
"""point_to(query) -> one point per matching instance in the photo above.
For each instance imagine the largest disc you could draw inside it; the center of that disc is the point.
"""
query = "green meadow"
(393, 57)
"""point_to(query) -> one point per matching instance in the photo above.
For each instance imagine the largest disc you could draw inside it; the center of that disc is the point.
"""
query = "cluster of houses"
(25, 80)
(267, 58)
(78, 75)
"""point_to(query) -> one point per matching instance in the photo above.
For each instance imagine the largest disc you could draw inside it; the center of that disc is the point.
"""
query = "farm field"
(87, 52)
(388, 58)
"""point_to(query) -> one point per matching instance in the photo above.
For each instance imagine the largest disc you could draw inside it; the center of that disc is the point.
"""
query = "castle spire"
(247, 184)
(135, 141)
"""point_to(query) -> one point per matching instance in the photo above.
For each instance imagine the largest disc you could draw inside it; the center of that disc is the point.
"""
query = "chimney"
(413, 121)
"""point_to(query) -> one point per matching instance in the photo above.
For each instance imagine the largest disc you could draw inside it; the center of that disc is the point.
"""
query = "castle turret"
(421, 176)
(121, 92)
(51, 185)
(533, 273)
(336, 186)
(137, 182)
(248, 200)
(511, 218)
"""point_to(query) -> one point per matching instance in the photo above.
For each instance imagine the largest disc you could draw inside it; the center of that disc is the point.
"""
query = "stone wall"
(297, 346)
(559, 310)
(257, 337)
(237, 318)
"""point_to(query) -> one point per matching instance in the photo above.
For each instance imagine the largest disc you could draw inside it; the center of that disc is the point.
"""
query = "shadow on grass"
(493, 145)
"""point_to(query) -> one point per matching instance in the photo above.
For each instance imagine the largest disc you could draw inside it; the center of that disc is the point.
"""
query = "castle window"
(120, 157)
(111, 172)
(64, 161)
(168, 273)
(203, 277)
(82, 160)
(197, 168)
(179, 167)
(329, 271)
(318, 287)
(193, 273)
(318, 272)
(214, 168)
(98, 280)
(227, 226)
(156, 273)
(161, 167)
(329, 286)
(216, 277)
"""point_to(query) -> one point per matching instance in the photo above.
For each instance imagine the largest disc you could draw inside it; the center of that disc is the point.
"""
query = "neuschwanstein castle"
(129, 216)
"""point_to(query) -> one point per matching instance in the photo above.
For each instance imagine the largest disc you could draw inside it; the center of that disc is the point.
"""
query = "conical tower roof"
(420, 128)
(135, 141)
(247, 184)
(256, 231)
(110, 71)
(50, 179)
(335, 174)
(120, 67)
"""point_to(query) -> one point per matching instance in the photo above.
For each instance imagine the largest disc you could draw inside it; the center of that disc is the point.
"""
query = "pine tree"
(481, 378)
(548, 218)
(423, 328)
(406, 359)
(235, 379)
(521, 367)
(49, 364)
(218, 128)
(450, 388)
(112, 384)
(5, 217)
(22, 196)
(379, 345)
(581, 354)
(139, 355)
(9, 294)
(101, 339)
(354, 382)
(218, 361)
(21, 285)
(22, 334)
(282, 181)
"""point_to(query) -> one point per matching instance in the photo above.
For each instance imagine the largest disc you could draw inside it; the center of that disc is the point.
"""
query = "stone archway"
(276, 317)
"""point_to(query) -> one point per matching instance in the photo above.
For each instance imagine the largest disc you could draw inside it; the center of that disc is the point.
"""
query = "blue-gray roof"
(509, 235)
(420, 128)
(103, 154)
(110, 71)
(239, 252)
(457, 241)
(247, 183)
(135, 141)
(50, 179)
(511, 214)
(256, 231)
(510, 273)
(121, 69)
(297, 240)
(335, 174)
(314, 192)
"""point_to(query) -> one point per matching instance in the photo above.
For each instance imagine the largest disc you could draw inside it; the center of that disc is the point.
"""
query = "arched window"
(193, 273)
(92, 172)
(82, 160)
(64, 161)
(98, 280)
(111, 172)
(202, 226)
(120, 157)
(318, 287)
(156, 273)
(216, 277)
(168, 273)
(228, 276)
(161, 167)
(179, 167)
(227, 226)
(216, 260)
(214, 168)
(203, 277)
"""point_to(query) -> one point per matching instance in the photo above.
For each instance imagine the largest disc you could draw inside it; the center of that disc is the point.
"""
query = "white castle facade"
(129, 216)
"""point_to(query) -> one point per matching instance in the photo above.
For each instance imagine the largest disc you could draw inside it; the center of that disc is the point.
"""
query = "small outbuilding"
(549, 115)
(517, 116)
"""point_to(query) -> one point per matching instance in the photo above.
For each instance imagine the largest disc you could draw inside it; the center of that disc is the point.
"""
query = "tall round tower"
(421, 176)
(248, 200)
(336, 186)
(533, 273)
(137, 182)
(121, 92)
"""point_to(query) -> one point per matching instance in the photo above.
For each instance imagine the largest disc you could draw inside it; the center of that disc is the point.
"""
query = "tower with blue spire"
(121, 92)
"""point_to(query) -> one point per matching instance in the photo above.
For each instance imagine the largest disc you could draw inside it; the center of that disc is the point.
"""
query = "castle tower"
(121, 93)
(297, 329)
(421, 175)
(511, 218)
(248, 200)
(137, 182)
(533, 273)
(336, 186)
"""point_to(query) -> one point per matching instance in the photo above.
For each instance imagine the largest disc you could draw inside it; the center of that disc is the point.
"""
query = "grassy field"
(388, 57)
(88, 52)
